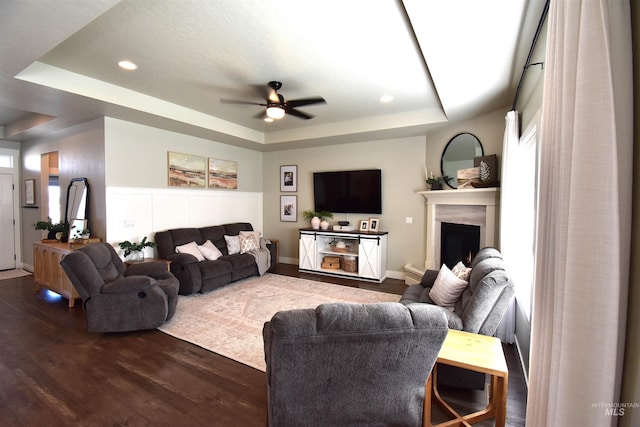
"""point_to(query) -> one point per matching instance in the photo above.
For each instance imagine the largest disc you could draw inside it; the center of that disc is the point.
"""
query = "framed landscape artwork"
(186, 170)
(289, 178)
(288, 208)
(223, 174)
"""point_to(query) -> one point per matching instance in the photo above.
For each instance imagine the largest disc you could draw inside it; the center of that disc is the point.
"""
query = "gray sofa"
(479, 310)
(207, 275)
(344, 364)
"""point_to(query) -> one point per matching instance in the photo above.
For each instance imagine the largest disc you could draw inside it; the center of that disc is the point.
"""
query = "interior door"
(7, 236)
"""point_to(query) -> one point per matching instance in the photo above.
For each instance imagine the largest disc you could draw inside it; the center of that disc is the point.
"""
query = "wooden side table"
(167, 262)
(478, 353)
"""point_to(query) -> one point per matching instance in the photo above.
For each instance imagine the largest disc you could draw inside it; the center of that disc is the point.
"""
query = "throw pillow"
(209, 250)
(461, 271)
(249, 241)
(447, 288)
(190, 248)
(247, 244)
(233, 244)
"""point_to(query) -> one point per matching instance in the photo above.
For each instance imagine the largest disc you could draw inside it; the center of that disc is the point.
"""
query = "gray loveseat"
(207, 275)
(345, 364)
(479, 310)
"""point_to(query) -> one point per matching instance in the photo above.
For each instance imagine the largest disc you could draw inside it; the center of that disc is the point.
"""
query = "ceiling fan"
(277, 106)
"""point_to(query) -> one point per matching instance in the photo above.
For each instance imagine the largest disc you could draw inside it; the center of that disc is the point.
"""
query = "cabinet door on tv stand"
(307, 252)
(370, 258)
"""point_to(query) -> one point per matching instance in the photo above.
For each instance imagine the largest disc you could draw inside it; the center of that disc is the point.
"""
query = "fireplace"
(459, 242)
(476, 207)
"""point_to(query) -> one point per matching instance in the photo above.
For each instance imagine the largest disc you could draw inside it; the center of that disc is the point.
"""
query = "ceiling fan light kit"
(277, 107)
(275, 112)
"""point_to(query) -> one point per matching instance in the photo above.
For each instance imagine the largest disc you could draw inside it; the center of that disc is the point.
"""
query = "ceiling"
(440, 61)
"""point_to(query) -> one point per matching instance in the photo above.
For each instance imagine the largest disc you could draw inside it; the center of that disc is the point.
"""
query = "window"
(6, 161)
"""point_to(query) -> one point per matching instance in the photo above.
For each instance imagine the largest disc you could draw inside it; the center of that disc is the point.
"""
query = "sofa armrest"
(154, 269)
(182, 259)
(128, 284)
(429, 278)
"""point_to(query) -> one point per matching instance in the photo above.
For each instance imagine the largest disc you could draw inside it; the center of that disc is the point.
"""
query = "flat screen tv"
(357, 191)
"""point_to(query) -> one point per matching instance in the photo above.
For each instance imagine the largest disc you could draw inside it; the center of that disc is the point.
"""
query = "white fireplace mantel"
(463, 200)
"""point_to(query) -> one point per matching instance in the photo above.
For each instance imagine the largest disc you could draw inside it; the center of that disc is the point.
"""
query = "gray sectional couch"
(207, 275)
(479, 310)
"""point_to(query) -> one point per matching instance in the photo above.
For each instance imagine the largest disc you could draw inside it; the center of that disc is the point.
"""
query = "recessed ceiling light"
(386, 99)
(268, 119)
(127, 65)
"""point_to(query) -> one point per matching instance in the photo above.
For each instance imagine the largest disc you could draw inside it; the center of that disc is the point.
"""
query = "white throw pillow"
(447, 288)
(190, 248)
(233, 244)
(461, 271)
(209, 250)
(249, 241)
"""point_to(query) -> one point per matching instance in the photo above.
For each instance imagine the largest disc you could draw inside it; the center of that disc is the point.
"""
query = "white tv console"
(364, 258)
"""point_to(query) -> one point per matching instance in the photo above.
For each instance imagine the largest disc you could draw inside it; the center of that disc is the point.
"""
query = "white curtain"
(583, 236)
(509, 233)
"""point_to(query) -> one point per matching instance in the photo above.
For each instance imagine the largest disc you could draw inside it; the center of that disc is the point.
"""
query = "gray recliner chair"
(479, 310)
(119, 299)
(345, 364)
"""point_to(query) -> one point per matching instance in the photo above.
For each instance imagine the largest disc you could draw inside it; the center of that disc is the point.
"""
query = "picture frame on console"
(364, 225)
(289, 178)
(374, 224)
(288, 208)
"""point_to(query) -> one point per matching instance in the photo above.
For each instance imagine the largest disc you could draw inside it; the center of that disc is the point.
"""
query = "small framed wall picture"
(30, 192)
(374, 224)
(289, 208)
(289, 178)
(364, 225)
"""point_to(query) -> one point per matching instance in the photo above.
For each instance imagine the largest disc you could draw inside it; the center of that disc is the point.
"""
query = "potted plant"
(53, 229)
(436, 182)
(135, 249)
(318, 218)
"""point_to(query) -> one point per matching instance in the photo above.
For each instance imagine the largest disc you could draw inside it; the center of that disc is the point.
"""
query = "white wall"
(139, 200)
(136, 156)
(402, 165)
(81, 155)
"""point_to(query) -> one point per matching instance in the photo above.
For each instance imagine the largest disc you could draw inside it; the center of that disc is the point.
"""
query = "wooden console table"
(478, 353)
(47, 271)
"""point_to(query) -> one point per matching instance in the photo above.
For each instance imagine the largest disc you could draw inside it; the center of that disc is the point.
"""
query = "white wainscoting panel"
(133, 213)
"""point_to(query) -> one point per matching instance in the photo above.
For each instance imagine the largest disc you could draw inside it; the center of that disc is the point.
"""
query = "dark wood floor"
(54, 373)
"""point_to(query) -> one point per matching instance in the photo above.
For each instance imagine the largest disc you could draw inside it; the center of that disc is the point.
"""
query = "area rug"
(229, 321)
(12, 274)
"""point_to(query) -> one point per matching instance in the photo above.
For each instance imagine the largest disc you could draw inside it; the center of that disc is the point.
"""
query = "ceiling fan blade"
(236, 101)
(306, 101)
(297, 113)
(261, 115)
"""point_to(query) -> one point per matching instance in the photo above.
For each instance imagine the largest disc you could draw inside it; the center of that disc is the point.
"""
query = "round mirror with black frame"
(459, 154)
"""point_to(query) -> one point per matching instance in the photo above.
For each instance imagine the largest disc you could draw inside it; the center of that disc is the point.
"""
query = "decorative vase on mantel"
(315, 223)
(324, 224)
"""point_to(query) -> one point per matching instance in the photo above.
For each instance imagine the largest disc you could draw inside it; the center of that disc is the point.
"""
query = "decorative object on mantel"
(466, 177)
(135, 249)
(488, 166)
(436, 183)
(318, 219)
(53, 229)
